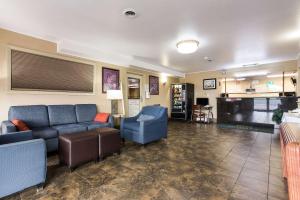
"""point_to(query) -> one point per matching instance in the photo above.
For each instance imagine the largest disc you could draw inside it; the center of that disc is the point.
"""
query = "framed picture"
(154, 85)
(110, 79)
(209, 84)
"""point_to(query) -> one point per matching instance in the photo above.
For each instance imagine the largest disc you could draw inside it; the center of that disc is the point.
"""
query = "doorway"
(134, 94)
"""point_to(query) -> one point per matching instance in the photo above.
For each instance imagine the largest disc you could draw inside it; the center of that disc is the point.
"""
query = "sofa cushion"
(33, 116)
(70, 128)
(21, 126)
(101, 117)
(44, 132)
(133, 126)
(85, 112)
(94, 125)
(61, 114)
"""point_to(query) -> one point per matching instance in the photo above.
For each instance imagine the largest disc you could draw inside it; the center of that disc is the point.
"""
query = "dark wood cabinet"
(255, 111)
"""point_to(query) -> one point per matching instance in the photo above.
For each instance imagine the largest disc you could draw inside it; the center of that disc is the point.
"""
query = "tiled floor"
(195, 162)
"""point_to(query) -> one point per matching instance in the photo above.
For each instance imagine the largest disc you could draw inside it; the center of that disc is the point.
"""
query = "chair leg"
(40, 187)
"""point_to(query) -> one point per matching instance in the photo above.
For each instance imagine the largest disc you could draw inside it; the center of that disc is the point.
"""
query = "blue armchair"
(144, 131)
(23, 162)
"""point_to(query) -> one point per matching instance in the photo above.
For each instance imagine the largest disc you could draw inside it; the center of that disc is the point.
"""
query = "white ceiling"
(231, 32)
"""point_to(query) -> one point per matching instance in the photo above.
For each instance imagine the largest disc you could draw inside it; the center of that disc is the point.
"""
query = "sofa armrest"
(111, 121)
(152, 122)
(130, 119)
(24, 165)
(8, 127)
(16, 137)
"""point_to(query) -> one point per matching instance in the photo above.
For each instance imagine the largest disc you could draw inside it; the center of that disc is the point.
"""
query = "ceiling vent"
(129, 12)
(208, 59)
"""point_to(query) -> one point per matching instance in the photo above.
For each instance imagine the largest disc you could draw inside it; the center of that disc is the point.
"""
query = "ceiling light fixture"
(250, 73)
(129, 12)
(250, 65)
(187, 46)
(292, 35)
(280, 75)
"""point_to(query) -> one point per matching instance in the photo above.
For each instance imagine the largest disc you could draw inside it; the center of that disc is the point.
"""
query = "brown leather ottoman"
(109, 141)
(78, 148)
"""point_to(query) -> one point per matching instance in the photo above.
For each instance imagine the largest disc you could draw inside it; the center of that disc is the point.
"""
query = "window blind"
(37, 72)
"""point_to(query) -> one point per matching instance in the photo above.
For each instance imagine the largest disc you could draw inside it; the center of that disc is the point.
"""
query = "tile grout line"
(243, 166)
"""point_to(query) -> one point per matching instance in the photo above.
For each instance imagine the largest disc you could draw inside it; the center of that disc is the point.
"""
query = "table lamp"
(114, 96)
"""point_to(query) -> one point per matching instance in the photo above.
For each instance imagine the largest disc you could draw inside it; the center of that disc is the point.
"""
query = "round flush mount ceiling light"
(187, 46)
(129, 12)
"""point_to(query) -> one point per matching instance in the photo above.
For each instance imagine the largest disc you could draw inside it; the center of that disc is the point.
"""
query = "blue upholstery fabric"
(94, 125)
(85, 112)
(52, 144)
(61, 114)
(144, 117)
(33, 116)
(110, 121)
(8, 127)
(132, 126)
(16, 137)
(152, 110)
(70, 128)
(146, 131)
(44, 132)
(55, 120)
(23, 165)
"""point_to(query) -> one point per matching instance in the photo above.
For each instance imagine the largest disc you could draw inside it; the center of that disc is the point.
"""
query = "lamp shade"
(114, 94)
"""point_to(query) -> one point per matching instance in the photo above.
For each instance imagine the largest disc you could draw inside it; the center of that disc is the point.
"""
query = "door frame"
(141, 78)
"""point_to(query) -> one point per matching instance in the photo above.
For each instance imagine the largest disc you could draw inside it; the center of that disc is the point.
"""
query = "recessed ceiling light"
(208, 59)
(129, 12)
(187, 46)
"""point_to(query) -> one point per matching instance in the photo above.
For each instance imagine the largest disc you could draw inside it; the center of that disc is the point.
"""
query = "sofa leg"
(101, 158)
(40, 187)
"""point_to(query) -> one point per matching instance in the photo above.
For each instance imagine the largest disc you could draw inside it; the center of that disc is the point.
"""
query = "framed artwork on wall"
(110, 79)
(154, 85)
(209, 84)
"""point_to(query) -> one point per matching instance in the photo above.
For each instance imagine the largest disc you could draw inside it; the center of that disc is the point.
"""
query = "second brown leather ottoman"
(78, 148)
(109, 141)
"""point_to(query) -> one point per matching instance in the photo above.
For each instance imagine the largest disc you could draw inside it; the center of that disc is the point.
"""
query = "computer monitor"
(202, 101)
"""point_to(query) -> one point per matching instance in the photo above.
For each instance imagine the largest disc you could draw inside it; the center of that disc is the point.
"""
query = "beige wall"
(298, 81)
(7, 98)
(261, 86)
(197, 79)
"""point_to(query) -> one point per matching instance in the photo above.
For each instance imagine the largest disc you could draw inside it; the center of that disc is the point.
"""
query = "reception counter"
(253, 111)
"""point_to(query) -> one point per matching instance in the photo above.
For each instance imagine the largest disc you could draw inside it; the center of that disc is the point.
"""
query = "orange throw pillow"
(21, 126)
(101, 117)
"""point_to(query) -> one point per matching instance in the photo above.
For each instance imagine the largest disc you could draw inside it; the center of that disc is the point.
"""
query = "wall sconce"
(164, 79)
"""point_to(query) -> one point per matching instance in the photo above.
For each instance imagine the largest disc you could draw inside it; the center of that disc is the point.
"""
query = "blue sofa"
(23, 162)
(48, 122)
(147, 130)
